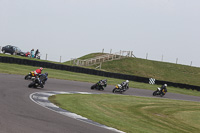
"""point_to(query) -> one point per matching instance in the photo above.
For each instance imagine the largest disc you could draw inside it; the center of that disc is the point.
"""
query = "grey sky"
(72, 28)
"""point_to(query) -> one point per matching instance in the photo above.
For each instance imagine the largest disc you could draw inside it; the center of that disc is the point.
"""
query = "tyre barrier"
(92, 72)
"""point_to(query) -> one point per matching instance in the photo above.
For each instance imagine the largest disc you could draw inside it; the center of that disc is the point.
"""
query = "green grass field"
(133, 114)
(66, 75)
(127, 113)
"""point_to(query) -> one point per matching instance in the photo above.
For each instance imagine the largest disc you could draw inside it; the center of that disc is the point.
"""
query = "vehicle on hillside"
(37, 56)
(119, 89)
(13, 50)
(27, 54)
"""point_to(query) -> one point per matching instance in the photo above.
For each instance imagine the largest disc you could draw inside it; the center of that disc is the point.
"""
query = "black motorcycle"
(38, 81)
(98, 86)
(30, 76)
(35, 83)
(119, 89)
(159, 92)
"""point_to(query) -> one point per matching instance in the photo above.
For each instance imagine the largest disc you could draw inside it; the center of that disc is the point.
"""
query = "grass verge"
(66, 75)
(134, 114)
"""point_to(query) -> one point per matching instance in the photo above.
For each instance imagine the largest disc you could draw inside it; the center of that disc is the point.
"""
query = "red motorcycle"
(27, 54)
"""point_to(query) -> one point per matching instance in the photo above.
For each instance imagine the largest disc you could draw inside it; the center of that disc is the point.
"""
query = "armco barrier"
(91, 71)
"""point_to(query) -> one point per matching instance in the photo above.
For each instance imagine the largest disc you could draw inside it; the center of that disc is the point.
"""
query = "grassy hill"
(154, 69)
(151, 69)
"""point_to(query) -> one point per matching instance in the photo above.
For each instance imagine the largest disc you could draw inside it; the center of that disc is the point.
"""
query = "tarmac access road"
(19, 114)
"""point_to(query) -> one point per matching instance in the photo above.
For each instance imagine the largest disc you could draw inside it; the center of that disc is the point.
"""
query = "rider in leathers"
(125, 85)
(43, 78)
(163, 87)
(103, 83)
(38, 71)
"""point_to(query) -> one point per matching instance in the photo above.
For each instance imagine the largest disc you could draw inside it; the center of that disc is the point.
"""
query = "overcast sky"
(73, 28)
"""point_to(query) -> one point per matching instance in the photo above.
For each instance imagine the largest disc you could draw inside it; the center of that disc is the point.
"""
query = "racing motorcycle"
(158, 92)
(39, 81)
(99, 86)
(30, 76)
(118, 88)
(35, 83)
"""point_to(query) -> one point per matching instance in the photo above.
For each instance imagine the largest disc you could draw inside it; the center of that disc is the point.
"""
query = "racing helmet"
(127, 81)
(165, 85)
(46, 74)
(41, 68)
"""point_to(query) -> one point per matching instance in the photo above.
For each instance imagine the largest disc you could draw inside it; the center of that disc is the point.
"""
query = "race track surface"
(18, 114)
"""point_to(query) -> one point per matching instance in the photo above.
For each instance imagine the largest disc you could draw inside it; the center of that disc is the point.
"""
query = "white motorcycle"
(118, 88)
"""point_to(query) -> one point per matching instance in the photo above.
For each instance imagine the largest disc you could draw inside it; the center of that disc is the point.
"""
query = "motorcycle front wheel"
(114, 90)
(154, 93)
(27, 77)
(92, 87)
(31, 84)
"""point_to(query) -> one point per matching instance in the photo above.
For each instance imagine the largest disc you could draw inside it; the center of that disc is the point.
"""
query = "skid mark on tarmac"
(41, 98)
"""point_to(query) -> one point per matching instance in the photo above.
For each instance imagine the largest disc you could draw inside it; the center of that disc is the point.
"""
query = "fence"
(102, 58)
(91, 71)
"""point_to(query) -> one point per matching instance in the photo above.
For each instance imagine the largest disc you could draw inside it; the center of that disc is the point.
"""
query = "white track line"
(41, 98)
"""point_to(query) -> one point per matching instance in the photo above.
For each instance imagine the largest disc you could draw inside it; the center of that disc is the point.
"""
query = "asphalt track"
(18, 114)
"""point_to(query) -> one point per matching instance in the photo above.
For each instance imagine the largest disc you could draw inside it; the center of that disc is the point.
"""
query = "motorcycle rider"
(43, 78)
(103, 83)
(125, 85)
(33, 74)
(163, 87)
(38, 71)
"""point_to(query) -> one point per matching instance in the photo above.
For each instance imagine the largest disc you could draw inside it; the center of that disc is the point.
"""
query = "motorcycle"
(119, 88)
(27, 54)
(37, 56)
(30, 76)
(36, 83)
(159, 92)
(98, 86)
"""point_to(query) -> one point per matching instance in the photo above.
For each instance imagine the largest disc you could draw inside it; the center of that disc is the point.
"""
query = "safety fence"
(91, 71)
(102, 58)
